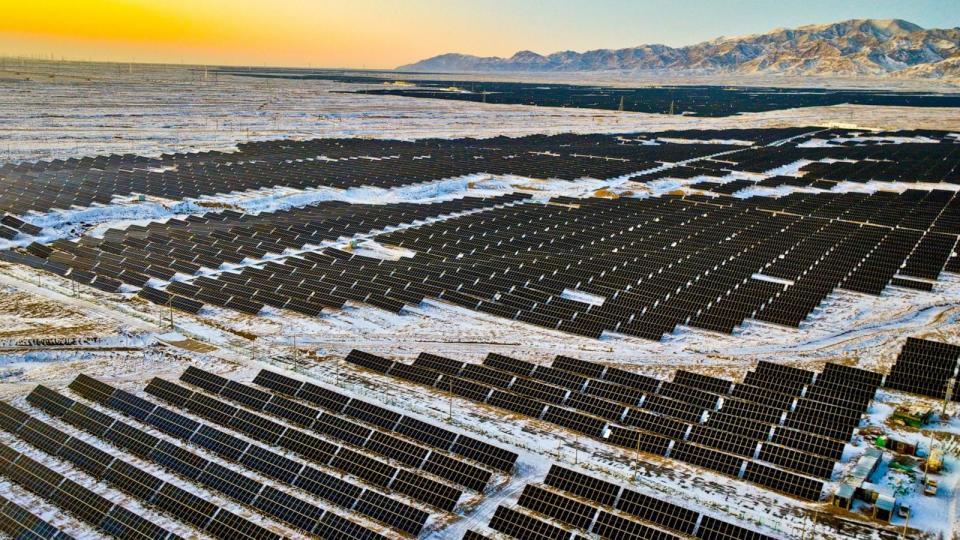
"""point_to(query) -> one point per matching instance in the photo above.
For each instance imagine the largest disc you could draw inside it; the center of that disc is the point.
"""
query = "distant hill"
(859, 47)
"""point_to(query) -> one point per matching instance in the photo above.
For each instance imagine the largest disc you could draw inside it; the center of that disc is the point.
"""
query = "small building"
(884, 507)
(852, 486)
(901, 446)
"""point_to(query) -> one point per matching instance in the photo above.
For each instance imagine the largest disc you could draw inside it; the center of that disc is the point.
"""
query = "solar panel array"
(241, 487)
(653, 264)
(570, 503)
(84, 504)
(175, 251)
(18, 522)
(330, 474)
(784, 426)
(439, 440)
(341, 163)
(926, 367)
(660, 263)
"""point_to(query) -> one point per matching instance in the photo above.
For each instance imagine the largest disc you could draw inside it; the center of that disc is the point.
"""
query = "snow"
(885, 139)
(130, 341)
(680, 140)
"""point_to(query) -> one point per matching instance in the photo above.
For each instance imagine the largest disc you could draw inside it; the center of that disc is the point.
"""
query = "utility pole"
(905, 525)
(636, 459)
(620, 108)
(947, 395)
(450, 395)
(671, 107)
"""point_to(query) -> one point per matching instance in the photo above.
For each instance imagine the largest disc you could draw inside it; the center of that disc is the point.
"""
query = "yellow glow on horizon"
(281, 32)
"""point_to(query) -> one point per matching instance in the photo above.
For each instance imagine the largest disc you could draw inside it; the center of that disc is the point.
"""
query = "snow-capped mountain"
(850, 48)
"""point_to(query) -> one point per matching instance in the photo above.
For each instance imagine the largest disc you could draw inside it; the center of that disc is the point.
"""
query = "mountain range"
(859, 47)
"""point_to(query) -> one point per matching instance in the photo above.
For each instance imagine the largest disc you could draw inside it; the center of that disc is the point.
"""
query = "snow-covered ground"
(52, 110)
(78, 111)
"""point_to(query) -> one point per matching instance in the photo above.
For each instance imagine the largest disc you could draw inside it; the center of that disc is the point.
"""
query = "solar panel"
(656, 511)
(343, 430)
(245, 395)
(613, 526)
(808, 464)
(130, 439)
(308, 446)
(170, 422)
(425, 433)
(564, 509)
(334, 527)
(438, 363)
(403, 517)
(90, 388)
(81, 502)
(169, 392)
(17, 522)
(288, 508)
(42, 436)
(581, 485)
(485, 453)
(225, 524)
(229, 482)
(789, 483)
(506, 363)
(275, 381)
(188, 508)
(460, 473)
(271, 464)
(74, 498)
(424, 489)
(518, 525)
(713, 528)
(328, 487)
(582, 367)
(244, 489)
(133, 480)
(203, 379)
(579, 422)
(707, 458)
(372, 414)
(516, 403)
(11, 418)
(415, 374)
(369, 361)
(387, 445)
(361, 466)
(86, 456)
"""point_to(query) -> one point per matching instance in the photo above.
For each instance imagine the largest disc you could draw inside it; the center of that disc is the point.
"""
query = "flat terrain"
(55, 328)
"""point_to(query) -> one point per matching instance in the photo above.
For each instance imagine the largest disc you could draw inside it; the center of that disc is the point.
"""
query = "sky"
(386, 33)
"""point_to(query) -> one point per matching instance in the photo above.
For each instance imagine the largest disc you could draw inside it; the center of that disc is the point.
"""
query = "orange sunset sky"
(387, 33)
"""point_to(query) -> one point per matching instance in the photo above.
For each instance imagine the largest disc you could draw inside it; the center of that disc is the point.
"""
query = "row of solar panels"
(570, 504)
(926, 367)
(917, 162)
(678, 419)
(922, 210)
